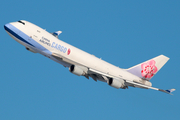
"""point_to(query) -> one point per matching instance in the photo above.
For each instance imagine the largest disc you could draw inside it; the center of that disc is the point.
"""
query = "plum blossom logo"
(69, 51)
(148, 69)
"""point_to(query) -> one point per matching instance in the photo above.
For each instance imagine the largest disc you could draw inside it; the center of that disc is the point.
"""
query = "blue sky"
(123, 33)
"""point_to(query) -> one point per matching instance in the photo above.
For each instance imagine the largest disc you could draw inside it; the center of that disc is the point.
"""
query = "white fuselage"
(43, 42)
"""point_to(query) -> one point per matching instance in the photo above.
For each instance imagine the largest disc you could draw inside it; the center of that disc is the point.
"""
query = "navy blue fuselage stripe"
(16, 35)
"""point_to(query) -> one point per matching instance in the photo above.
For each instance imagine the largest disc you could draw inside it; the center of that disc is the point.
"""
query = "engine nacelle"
(76, 70)
(116, 83)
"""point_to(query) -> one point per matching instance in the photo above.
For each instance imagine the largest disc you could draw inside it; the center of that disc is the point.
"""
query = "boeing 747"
(38, 40)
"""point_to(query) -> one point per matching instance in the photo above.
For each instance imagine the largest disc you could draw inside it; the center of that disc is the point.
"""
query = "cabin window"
(21, 22)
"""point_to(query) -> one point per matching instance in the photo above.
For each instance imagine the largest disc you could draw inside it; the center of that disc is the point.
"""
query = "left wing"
(57, 33)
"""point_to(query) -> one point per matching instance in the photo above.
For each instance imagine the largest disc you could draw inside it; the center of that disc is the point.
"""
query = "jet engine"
(76, 70)
(116, 83)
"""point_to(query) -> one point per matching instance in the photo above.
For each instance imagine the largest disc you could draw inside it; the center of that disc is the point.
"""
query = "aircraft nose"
(6, 27)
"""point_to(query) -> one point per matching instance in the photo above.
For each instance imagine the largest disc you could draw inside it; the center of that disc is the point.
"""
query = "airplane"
(80, 63)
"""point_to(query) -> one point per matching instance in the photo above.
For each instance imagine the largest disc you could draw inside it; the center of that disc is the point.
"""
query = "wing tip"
(169, 91)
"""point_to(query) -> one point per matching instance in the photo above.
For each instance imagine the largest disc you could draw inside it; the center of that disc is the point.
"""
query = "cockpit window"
(21, 22)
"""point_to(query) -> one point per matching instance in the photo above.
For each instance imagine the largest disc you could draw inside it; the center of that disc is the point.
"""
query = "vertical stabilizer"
(148, 69)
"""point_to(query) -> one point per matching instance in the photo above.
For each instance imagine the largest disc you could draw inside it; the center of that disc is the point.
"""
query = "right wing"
(98, 75)
(57, 33)
(148, 87)
(130, 83)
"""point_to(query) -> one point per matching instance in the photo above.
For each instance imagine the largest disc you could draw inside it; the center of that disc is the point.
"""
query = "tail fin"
(148, 69)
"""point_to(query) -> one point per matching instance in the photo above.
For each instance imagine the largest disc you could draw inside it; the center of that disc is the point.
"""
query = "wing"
(57, 33)
(148, 87)
(130, 83)
(98, 75)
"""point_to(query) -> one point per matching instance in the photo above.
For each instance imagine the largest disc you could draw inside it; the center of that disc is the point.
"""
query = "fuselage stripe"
(17, 36)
